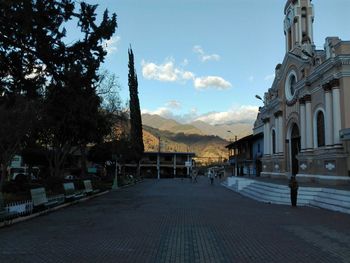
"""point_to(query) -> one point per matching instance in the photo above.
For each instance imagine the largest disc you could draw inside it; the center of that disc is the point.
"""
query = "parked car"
(18, 173)
(69, 177)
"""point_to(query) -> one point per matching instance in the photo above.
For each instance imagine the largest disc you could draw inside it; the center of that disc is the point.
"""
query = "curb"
(34, 215)
(28, 217)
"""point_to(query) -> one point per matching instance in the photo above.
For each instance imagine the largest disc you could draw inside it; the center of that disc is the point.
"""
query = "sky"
(207, 59)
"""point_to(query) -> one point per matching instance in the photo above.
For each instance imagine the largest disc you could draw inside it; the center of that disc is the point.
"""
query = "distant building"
(166, 164)
(245, 155)
(308, 104)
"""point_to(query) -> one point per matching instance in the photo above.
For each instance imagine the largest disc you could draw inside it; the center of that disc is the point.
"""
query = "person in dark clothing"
(211, 176)
(293, 185)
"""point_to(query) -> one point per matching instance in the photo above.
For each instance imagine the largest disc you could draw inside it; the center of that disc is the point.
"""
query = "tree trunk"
(83, 160)
(4, 175)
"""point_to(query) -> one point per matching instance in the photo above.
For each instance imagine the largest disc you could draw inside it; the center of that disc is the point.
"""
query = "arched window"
(290, 85)
(273, 141)
(320, 129)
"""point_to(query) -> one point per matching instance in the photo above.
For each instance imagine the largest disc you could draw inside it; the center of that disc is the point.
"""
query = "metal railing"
(20, 208)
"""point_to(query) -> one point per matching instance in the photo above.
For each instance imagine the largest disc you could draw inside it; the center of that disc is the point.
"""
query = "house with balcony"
(166, 164)
(245, 155)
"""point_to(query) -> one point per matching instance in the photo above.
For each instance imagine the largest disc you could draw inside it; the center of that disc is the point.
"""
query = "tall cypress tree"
(135, 112)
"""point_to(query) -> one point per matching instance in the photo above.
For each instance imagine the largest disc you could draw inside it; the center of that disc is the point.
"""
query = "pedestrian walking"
(293, 185)
(211, 176)
(194, 175)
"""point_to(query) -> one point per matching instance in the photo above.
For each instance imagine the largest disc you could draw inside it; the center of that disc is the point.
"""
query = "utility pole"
(236, 153)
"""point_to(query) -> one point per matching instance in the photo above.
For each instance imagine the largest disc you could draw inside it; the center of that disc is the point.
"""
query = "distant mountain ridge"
(225, 131)
(205, 146)
(161, 123)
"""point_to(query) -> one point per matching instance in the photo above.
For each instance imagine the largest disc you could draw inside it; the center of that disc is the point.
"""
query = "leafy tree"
(73, 117)
(36, 63)
(136, 142)
(14, 129)
(21, 75)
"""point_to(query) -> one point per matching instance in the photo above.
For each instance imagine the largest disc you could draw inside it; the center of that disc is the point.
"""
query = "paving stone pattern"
(173, 220)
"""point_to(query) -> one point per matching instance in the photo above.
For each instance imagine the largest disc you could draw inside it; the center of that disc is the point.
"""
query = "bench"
(4, 213)
(88, 187)
(39, 198)
(70, 192)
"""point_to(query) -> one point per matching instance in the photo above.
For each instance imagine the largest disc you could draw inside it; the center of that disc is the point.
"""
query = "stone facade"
(308, 104)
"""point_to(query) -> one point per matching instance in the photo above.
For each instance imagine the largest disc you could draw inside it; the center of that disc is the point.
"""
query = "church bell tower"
(298, 29)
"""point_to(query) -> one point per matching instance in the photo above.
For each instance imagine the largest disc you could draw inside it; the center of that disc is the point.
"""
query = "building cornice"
(319, 71)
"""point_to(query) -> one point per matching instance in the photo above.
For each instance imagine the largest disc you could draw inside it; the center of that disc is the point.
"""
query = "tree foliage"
(136, 142)
(14, 130)
(36, 63)
(72, 109)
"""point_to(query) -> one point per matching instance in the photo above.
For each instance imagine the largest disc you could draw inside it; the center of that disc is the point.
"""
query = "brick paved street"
(176, 221)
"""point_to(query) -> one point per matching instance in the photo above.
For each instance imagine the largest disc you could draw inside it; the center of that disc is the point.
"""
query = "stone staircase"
(332, 199)
(327, 198)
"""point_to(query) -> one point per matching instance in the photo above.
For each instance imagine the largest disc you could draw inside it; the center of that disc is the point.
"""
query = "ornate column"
(296, 29)
(267, 136)
(277, 135)
(308, 113)
(336, 111)
(329, 114)
(302, 124)
(311, 29)
(279, 131)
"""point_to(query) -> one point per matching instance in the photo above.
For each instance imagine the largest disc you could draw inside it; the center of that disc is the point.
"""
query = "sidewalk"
(173, 220)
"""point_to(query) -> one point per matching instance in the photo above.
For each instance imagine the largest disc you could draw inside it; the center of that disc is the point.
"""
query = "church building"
(307, 109)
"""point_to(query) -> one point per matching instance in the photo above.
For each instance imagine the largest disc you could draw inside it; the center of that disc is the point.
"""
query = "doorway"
(295, 148)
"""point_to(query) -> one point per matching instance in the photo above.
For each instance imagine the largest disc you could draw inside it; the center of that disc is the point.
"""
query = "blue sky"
(206, 59)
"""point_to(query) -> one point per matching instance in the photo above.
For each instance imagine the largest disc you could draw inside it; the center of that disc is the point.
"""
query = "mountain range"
(205, 140)
(225, 131)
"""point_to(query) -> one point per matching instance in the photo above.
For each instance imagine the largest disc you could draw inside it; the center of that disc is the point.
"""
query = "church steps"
(264, 195)
(327, 198)
(338, 200)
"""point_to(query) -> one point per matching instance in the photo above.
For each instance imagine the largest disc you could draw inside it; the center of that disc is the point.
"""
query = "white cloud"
(169, 72)
(214, 57)
(166, 72)
(203, 56)
(239, 114)
(244, 113)
(251, 79)
(187, 75)
(211, 82)
(111, 45)
(162, 111)
(174, 104)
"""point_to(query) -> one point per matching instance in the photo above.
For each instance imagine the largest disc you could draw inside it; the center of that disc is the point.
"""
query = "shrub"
(10, 187)
(54, 184)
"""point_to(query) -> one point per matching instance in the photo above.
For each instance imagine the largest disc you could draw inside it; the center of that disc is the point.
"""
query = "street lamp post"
(259, 98)
(115, 182)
